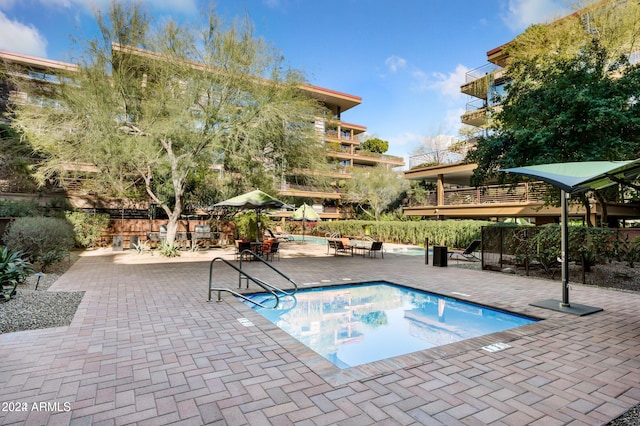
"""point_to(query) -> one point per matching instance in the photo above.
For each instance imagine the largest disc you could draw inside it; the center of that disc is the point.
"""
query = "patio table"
(360, 245)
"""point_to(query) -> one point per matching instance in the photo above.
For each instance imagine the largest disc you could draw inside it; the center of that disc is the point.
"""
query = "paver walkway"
(145, 347)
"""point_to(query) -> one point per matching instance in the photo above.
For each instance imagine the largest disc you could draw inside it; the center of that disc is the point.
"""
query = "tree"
(572, 97)
(437, 150)
(155, 106)
(375, 145)
(374, 189)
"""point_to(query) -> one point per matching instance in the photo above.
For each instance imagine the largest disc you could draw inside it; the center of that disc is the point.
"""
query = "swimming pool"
(357, 324)
(309, 239)
(407, 251)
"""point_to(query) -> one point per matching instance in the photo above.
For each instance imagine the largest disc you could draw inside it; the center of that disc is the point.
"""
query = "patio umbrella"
(573, 178)
(306, 214)
(254, 200)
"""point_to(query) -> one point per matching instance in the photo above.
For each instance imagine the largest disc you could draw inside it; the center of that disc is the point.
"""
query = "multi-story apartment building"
(342, 140)
(453, 197)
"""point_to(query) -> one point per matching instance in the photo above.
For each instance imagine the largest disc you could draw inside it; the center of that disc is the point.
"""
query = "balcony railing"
(479, 72)
(493, 194)
(345, 136)
(305, 188)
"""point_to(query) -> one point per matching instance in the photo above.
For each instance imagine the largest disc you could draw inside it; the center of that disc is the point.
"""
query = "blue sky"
(405, 58)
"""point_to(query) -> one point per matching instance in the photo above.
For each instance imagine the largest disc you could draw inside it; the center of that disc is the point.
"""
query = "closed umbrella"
(306, 214)
(254, 200)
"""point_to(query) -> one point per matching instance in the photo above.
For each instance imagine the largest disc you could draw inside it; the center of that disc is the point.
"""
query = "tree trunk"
(172, 228)
(587, 209)
(603, 205)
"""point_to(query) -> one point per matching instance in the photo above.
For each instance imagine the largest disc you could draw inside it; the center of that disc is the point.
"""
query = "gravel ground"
(33, 309)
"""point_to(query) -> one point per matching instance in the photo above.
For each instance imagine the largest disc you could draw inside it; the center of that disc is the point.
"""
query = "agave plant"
(13, 271)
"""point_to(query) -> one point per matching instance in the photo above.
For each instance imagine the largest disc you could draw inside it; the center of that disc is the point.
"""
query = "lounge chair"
(280, 236)
(468, 253)
(376, 247)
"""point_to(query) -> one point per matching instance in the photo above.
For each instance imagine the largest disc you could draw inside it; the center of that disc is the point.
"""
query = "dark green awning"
(581, 176)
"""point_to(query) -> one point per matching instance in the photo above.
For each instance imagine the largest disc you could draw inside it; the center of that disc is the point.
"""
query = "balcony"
(479, 81)
(525, 199)
(340, 172)
(334, 135)
(365, 157)
(476, 114)
(292, 190)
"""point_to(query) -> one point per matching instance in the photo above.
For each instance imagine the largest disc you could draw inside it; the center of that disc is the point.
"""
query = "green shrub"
(546, 246)
(451, 233)
(45, 240)
(88, 227)
(168, 250)
(19, 209)
(142, 247)
(246, 224)
(630, 250)
(13, 270)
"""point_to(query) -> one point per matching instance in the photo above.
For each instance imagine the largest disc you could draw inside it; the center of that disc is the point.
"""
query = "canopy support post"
(564, 247)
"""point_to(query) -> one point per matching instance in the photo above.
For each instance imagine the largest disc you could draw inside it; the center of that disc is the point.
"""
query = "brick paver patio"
(146, 347)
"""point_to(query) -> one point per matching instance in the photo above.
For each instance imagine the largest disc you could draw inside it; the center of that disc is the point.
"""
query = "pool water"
(407, 251)
(357, 324)
(308, 239)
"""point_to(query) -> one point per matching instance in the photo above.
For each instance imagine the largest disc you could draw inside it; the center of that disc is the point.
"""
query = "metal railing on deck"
(243, 275)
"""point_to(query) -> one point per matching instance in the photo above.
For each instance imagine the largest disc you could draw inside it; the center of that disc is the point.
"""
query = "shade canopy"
(251, 200)
(254, 200)
(581, 176)
(305, 212)
(573, 178)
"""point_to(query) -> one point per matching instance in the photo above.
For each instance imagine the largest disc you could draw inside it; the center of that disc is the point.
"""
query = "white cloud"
(520, 14)
(18, 37)
(404, 139)
(452, 121)
(448, 84)
(394, 63)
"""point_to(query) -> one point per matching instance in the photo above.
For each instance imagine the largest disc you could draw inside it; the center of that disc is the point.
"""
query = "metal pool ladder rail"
(243, 275)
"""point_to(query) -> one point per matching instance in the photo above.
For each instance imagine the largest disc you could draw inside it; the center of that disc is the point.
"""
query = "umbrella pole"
(257, 225)
(565, 248)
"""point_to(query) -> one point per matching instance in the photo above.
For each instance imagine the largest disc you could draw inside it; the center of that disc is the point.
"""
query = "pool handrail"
(276, 270)
(235, 293)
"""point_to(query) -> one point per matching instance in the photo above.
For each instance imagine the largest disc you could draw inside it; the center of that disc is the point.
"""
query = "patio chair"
(468, 253)
(376, 247)
(241, 246)
(153, 239)
(273, 251)
(339, 247)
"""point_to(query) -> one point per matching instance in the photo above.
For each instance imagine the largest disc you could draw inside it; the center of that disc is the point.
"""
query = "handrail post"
(266, 286)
